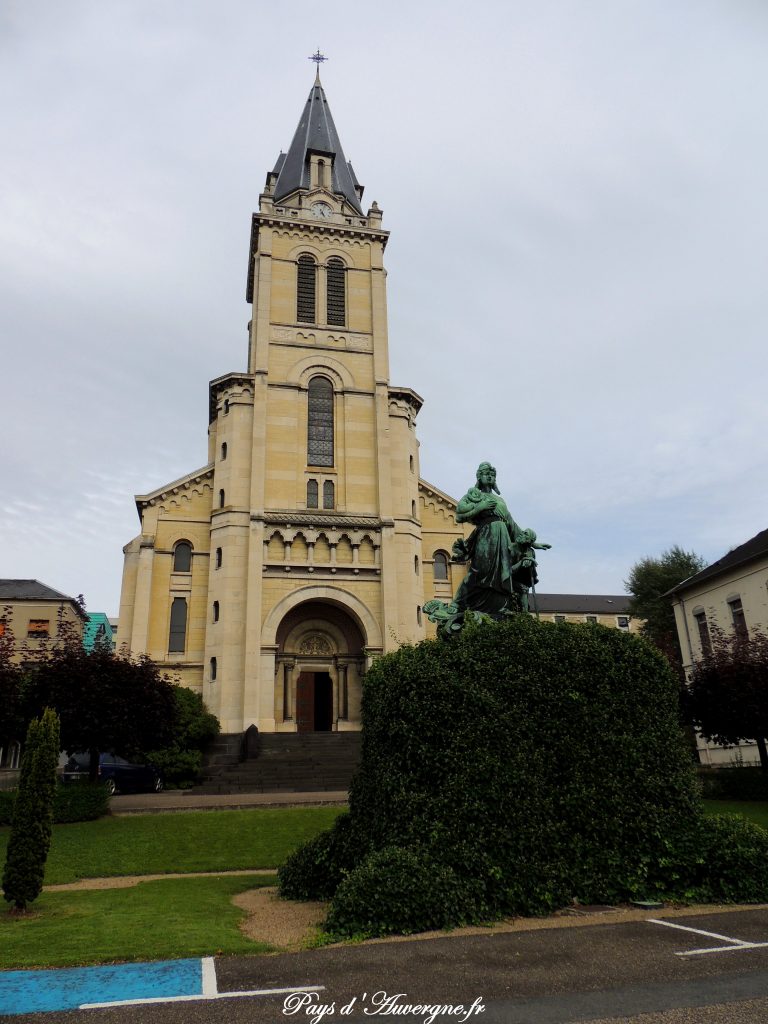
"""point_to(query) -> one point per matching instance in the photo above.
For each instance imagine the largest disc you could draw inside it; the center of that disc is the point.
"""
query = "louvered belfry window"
(337, 313)
(320, 423)
(305, 291)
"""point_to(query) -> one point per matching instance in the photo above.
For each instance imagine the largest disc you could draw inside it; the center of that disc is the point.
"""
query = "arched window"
(320, 423)
(305, 290)
(418, 614)
(177, 634)
(221, 499)
(312, 493)
(182, 557)
(336, 311)
(216, 611)
(224, 451)
(440, 567)
(416, 564)
(321, 173)
(213, 669)
(218, 558)
(328, 494)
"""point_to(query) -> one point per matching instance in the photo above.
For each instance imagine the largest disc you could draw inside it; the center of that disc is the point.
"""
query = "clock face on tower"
(320, 210)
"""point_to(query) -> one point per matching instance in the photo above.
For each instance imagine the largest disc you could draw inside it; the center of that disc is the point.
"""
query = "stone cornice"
(318, 518)
(440, 496)
(184, 483)
(217, 385)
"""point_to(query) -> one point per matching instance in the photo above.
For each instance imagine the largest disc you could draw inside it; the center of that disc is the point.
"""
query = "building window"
(328, 494)
(416, 564)
(440, 566)
(213, 669)
(218, 558)
(418, 614)
(703, 628)
(413, 509)
(215, 611)
(559, 618)
(320, 422)
(182, 557)
(410, 460)
(223, 451)
(305, 290)
(221, 499)
(226, 406)
(39, 628)
(336, 313)
(737, 614)
(2, 627)
(622, 621)
(177, 633)
(590, 618)
(312, 493)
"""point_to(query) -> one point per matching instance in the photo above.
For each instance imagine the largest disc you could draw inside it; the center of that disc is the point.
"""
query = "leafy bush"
(85, 801)
(733, 861)
(397, 890)
(734, 783)
(194, 727)
(316, 869)
(540, 763)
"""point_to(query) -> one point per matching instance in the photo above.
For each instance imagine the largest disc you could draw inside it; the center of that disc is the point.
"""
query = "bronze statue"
(502, 562)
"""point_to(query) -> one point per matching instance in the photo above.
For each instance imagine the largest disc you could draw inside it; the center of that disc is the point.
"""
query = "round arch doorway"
(320, 663)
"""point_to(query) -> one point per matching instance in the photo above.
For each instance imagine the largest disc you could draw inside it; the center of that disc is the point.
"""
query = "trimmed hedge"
(84, 801)
(733, 783)
(534, 763)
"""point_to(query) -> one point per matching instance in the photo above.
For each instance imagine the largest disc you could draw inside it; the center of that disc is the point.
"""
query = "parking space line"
(733, 943)
(216, 995)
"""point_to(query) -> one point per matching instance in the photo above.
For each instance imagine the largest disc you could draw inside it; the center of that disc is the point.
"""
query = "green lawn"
(754, 810)
(149, 844)
(175, 917)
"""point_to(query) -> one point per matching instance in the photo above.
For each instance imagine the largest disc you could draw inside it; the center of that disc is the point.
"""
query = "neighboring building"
(98, 630)
(115, 642)
(607, 610)
(730, 594)
(38, 615)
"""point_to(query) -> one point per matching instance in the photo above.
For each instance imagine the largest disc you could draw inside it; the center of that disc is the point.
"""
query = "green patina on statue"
(501, 557)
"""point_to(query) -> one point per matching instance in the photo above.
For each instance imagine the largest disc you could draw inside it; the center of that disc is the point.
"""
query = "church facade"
(267, 579)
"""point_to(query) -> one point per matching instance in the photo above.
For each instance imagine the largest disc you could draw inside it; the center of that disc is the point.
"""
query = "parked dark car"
(118, 775)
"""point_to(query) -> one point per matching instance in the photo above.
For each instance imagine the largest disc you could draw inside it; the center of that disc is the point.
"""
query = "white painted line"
(218, 995)
(725, 949)
(698, 931)
(210, 988)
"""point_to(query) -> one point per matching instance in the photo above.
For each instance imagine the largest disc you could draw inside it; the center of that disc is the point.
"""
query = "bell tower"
(315, 456)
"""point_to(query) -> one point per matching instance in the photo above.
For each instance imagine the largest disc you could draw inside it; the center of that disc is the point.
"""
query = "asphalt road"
(613, 972)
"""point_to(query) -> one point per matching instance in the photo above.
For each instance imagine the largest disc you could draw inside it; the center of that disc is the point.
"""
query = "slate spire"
(316, 133)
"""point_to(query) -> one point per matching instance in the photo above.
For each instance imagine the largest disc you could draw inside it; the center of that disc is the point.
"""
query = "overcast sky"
(577, 270)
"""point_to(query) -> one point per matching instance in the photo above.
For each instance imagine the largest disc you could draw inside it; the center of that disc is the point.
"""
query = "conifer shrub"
(30, 837)
(541, 764)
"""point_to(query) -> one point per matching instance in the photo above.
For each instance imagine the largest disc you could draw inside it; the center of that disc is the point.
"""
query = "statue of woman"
(502, 563)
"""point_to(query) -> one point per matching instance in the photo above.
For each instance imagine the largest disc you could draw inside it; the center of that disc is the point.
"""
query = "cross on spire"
(318, 58)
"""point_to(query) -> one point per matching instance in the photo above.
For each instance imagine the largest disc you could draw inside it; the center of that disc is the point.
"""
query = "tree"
(182, 760)
(30, 837)
(649, 581)
(727, 695)
(106, 701)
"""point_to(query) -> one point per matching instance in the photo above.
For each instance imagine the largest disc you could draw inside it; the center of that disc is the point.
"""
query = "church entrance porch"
(320, 662)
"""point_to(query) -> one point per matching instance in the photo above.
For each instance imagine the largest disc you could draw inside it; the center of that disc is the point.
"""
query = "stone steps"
(286, 762)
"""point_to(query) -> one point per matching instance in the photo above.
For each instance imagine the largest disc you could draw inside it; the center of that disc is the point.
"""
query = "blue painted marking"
(68, 988)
